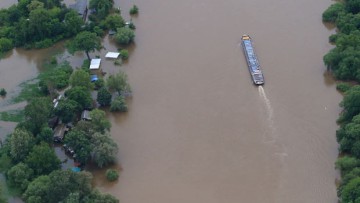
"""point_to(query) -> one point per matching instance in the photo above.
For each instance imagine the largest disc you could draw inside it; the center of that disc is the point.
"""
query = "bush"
(53, 60)
(3, 92)
(44, 44)
(119, 104)
(124, 54)
(343, 87)
(346, 164)
(124, 35)
(132, 26)
(134, 10)
(118, 62)
(112, 174)
(104, 97)
(99, 83)
(5, 44)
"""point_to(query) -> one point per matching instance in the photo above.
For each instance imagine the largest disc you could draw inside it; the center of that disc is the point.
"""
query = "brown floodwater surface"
(197, 130)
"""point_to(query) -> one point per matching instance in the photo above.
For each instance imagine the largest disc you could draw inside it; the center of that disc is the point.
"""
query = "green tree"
(114, 21)
(37, 190)
(5, 44)
(351, 192)
(87, 42)
(65, 182)
(19, 176)
(2, 198)
(42, 159)
(112, 174)
(351, 103)
(45, 135)
(102, 7)
(72, 23)
(105, 149)
(37, 113)
(119, 104)
(81, 78)
(67, 110)
(85, 127)
(331, 14)
(72, 198)
(346, 164)
(81, 144)
(21, 143)
(35, 5)
(134, 10)
(43, 25)
(124, 54)
(99, 121)
(95, 196)
(104, 97)
(347, 178)
(81, 95)
(124, 35)
(119, 83)
(353, 6)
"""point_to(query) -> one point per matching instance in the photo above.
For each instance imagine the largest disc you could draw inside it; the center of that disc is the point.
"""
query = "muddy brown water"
(197, 130)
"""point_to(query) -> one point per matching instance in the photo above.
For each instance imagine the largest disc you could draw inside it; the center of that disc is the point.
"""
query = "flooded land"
(197, 129)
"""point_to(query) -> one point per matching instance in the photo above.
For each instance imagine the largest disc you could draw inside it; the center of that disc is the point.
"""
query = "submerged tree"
(118, 83)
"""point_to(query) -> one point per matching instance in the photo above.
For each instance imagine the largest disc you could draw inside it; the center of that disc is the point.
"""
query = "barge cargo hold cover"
(252, 61)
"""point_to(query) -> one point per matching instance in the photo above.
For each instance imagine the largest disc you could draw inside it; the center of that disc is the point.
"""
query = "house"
(81, 7)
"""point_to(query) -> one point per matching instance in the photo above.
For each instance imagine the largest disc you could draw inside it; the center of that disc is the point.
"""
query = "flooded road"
(197, 130)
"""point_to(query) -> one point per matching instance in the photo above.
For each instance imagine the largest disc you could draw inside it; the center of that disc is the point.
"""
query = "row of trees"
(344, 62)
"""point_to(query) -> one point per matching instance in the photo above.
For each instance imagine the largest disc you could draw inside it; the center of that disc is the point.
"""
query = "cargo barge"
(252, 61)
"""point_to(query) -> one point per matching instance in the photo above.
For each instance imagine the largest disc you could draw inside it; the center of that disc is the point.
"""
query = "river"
(197, 130)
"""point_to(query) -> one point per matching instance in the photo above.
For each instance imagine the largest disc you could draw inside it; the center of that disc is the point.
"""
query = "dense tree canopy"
(19, 176)
(81, 95)
(344, 62)
(67, 110)
(42, 159)
(81, 78)
(80, 143)
(102, 7)
(37, 113)
(21, 143)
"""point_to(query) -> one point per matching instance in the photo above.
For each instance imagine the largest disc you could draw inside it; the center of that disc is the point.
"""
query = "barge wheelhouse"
(252, 61)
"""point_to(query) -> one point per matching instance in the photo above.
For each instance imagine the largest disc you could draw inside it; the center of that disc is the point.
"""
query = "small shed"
(59, 132)
(112, 55)
(95, 64)
(85, 115)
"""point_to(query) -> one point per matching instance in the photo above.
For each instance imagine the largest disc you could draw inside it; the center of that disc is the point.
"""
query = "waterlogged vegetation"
(59, 95)
(344, 62)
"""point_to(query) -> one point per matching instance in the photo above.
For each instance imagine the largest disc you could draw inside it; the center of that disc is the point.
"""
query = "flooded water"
(197, 130)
